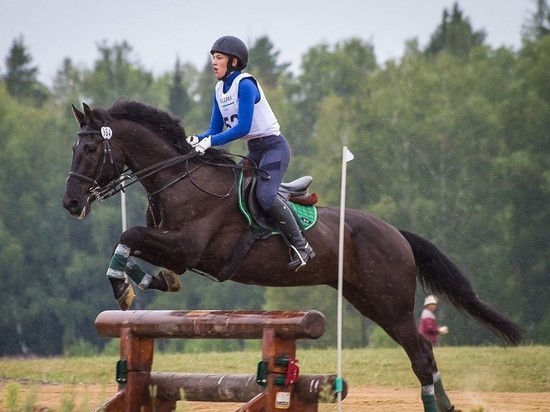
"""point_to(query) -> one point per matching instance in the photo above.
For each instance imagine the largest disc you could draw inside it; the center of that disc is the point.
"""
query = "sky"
(161, 31)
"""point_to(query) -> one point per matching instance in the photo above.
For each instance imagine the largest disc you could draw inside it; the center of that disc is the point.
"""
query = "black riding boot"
(285, 221)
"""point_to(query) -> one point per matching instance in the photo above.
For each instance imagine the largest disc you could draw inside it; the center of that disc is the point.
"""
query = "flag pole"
(123, 216)
(123, 209)
(347, 156)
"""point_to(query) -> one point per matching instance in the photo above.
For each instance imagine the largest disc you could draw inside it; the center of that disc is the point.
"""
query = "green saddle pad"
(307, 214)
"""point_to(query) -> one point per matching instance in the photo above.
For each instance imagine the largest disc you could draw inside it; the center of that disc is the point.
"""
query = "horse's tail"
(439, 276)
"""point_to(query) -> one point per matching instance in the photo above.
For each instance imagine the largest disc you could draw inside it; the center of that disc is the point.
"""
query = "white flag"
(348, 156)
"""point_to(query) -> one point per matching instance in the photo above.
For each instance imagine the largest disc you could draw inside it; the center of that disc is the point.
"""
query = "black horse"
(193, 222)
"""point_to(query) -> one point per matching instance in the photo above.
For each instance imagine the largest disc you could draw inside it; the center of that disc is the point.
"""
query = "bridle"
(107, 156)
(119, 184)
(106, 133)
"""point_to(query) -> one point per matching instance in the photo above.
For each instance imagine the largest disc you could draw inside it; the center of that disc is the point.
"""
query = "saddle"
(296, 192)
(302, 204)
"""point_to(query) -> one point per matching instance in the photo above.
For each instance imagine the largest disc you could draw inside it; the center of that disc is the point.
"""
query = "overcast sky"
(159, 31)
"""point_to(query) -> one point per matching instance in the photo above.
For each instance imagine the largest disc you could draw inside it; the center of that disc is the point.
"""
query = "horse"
(193, 223)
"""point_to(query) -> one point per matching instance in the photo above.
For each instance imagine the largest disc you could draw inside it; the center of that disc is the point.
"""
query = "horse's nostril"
(73, 205)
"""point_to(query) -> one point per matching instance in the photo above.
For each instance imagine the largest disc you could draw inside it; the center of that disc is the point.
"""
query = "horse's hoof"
(171, 280)
(126, 298)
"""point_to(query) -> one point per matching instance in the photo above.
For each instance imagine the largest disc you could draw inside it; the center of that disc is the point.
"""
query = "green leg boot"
(428, 399)
(443, 402)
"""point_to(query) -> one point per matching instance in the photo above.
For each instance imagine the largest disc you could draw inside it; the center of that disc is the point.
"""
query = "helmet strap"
(230, 68)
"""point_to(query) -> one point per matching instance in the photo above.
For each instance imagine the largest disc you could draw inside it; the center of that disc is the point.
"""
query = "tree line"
(451, 141)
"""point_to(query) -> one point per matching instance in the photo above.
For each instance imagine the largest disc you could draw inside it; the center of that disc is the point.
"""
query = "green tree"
(66, 83)
(539, 24)
(179, 101)
(526, 183)
(326, 73)
(455, 35)
(21, 76)
(116, 76)
(263, 62)
(202, 90)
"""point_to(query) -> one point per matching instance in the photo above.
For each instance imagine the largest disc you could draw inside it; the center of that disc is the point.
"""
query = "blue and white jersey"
(264, 122)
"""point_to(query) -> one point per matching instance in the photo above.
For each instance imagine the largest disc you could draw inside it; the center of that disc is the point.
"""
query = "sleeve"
(249, 94)
(216, 120)
(430, 326)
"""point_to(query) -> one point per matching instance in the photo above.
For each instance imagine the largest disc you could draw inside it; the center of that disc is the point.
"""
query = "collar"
(228, 81)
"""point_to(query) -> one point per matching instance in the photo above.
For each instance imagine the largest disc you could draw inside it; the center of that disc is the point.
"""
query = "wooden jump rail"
(276, 386)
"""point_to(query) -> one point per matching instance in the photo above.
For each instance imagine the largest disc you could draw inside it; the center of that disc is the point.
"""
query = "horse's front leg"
(133, 243)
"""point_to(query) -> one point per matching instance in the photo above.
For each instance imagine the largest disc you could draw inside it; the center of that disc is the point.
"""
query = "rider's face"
(219, 64)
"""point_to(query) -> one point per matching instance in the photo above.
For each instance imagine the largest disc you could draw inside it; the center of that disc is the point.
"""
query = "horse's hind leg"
(398, 323)
(442, 400)
(422, 361)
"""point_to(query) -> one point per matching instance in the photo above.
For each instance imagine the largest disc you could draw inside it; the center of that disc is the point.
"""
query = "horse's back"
(368, 230)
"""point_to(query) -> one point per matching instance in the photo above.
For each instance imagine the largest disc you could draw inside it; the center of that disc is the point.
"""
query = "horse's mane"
(160, 121)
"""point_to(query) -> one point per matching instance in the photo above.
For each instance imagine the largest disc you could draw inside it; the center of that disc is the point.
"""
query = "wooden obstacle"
(276, 386)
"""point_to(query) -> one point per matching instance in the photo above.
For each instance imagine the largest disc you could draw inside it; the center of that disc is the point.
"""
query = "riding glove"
(204, 144)
(192, 140)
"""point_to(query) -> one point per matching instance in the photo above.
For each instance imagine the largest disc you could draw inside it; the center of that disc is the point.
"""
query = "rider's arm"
(248, 96)
(216, 120)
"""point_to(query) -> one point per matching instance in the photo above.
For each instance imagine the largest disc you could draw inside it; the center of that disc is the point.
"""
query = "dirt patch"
(47, 397)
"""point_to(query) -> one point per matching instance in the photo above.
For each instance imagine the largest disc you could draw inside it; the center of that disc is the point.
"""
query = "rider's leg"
(272, 154)
(285, 221)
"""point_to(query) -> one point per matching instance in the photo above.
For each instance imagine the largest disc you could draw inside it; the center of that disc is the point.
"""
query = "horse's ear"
(87, 111)
(79, 116)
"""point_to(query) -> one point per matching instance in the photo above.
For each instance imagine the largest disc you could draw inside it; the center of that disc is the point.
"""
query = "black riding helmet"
(232, 46)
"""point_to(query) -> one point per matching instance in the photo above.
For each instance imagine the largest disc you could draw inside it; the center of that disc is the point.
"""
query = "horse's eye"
(90, 148)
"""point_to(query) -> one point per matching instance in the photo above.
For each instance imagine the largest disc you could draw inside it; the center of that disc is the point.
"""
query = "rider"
(240, 105)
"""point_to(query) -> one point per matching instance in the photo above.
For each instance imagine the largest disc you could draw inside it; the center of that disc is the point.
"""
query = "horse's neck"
(145, 149)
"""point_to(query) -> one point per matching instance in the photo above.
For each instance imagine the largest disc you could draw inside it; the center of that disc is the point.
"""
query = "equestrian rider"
(241, 108)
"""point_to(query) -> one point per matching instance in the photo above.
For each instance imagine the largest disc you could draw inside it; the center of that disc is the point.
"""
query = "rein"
(118, 185)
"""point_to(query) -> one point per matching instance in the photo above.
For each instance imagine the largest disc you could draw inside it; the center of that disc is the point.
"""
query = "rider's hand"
(204, 144)
(193, 140)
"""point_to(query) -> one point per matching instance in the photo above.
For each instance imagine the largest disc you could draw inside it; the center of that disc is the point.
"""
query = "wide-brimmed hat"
(430, 300)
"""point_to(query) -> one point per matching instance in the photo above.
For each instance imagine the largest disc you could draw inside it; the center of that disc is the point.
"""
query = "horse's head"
(97, 160)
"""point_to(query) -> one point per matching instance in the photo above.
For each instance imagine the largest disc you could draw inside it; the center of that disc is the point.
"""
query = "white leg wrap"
(427, 390)
(122, 250)
(118, 262)
(145, 282)
(115, 274)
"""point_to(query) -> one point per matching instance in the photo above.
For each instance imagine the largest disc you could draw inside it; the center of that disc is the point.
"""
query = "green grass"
(487, 369)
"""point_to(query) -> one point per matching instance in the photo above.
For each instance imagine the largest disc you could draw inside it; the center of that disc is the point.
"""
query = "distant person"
(428, 326)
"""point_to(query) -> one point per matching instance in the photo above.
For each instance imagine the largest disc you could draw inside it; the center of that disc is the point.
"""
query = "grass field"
(485, 369)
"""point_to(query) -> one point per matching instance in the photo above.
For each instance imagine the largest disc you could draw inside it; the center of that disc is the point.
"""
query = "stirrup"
(301, 261)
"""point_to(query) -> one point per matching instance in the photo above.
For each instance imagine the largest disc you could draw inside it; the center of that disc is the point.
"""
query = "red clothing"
(428, 326)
